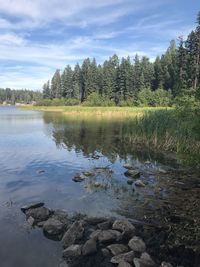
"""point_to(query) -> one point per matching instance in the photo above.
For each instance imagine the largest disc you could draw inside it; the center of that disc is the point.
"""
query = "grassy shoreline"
(97, 111)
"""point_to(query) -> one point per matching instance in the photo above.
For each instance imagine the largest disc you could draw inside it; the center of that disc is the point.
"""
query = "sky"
(39, 36)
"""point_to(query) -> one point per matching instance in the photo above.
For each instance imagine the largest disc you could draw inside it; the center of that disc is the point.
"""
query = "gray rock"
(127, 229)
(105, 225)
(109, 236)
(75, 232)
(32, 206)
(53, 226)
(117, 249)
(130, 181)
(127, 257)
(88, 173)
(79, 178)
(95, 220)
(128, 167)
(61, 216)
(137, 244)
(124, 264)
(39, 214)
(132, 173)
(105, 252)
(144, 261)
(165, 264)
(63, 264)
(72, 251)
(90, 247)
(139, 183)
(95, 234)
(31, 220)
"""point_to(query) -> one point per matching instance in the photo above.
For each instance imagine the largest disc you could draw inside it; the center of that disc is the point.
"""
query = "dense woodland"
(19, 96)
(139, 81)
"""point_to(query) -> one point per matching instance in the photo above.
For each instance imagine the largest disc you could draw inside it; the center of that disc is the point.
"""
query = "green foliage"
(158, 98)
(96, 100)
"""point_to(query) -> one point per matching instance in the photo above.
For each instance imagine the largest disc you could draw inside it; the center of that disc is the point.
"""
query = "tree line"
(19, 96)
(175, 73)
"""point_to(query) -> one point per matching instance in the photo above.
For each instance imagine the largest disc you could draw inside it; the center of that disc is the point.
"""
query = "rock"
(127, 229)
(97, 184)
(137, 244)
(130, 181)
(31, 220)
(127, 257)
(75, 232)
(139, 183)
(88, 173)
(105, 252)
(72, 251)
(32, 206)
(90, 247)
(109, 236)
(95, 220)
(63, 264)
(146, 260)
(132, 173)
(39, 214)
(61, 216)
(41, 224)
(128, 167)
(105, 225)
(79, 178)
(124, 264)
(53, 227)
(117, 249)
(165, 264)
(95, 234)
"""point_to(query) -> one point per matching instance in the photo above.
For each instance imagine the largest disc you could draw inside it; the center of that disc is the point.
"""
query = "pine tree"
(56, 88)
(67, 82)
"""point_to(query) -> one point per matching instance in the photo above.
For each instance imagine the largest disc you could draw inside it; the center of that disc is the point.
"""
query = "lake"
(41, 152)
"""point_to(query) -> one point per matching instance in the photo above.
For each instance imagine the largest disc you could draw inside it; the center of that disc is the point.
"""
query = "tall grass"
(170, 130)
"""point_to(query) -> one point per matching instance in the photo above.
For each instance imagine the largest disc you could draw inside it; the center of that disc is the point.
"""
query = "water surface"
(40, 153)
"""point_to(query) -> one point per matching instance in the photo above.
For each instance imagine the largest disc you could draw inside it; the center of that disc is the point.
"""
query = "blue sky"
(39, 36)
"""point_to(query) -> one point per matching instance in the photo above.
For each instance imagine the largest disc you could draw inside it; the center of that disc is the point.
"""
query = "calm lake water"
(40, 153)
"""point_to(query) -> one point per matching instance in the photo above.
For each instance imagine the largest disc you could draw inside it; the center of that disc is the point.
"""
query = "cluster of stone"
(92, 241)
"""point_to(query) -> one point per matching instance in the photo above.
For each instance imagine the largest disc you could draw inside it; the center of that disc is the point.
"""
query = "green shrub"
(96, 100)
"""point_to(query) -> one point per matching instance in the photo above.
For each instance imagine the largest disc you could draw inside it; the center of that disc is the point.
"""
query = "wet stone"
(75, 232)
(124, 226)
(165, 264)
(106, 236)
(53, 226)
(128, 167)
(127, 257)
(117, 249)
(139, 183)
(79, 178)
(72, 251)
(105, 225)
(39, 214)
(137, 244)
(132, 173)
(144, 261)
(90, 247)
(31, 220)
(32, 206)
(124, 264)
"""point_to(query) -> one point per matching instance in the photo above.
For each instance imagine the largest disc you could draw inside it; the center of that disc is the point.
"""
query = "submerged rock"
(127, 257)
(144, 261)
(39, 214)
(74, 233)
(117, 249)
(137, 244)
(79, 178)
(132, 173)
(139, 183)
(32, 206)
(128, 167)
(88, 173)
(53, 226)
(31, 220)
(105, 225)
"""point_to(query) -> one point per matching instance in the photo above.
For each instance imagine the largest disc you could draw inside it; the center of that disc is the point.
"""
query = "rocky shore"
(92, 241)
